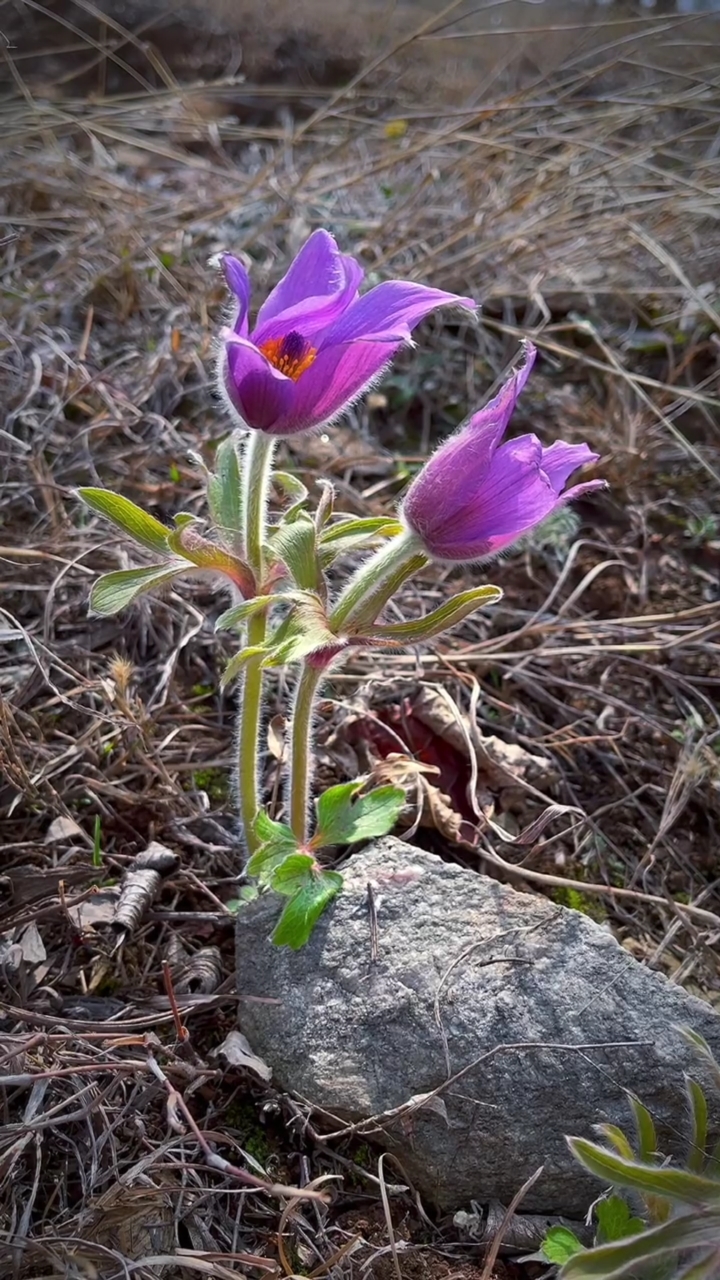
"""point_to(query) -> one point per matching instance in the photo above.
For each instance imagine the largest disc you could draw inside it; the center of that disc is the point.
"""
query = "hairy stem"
(364, 597)
(258, 455)
(376, 581)
(301, 755)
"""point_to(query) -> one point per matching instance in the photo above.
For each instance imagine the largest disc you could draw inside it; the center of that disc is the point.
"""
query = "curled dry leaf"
(140, 885)
(237, 1053)
(201, 974)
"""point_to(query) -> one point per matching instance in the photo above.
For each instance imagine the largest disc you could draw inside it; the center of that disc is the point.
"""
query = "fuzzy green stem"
(301, 757)
(258, 457)
(376, 581)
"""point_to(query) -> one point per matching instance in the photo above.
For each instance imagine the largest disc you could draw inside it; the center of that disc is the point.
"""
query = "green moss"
(214, 782)
(585, 903)
(242, 1117)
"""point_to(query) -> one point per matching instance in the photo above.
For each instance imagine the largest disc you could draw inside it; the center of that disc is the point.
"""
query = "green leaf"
(671, 1184)
(615, 1135)
(442, 619)
(278, 843)
(240, 613)
(140, 526)
(702, 1048)
(224, 492)
(293, 874)
(304, 631)
(114, 591)
(238, 661)
(645, 1129)
(615, 1220)
(560, 1244)
(343, 816)
(205, 554)
(608, 1261)
(304, 910)
(295, 544)
(699, 1131)
(371, 526)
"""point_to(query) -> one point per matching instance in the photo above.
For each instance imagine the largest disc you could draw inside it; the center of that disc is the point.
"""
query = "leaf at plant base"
(343, 816)
(278, 843)
(140, 526)
(699, 1131)
(370, 526)
(670, 1184)
(295, 544)
(560, 1244)
(630, 1256)
(615, 1220)
(295, 873)
(238, 661)
(224, 493)
(304, 910)
(240, 613)
(114, 591)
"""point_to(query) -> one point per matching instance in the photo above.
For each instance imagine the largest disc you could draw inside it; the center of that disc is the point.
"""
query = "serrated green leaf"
(442, 619)
(278, 843)
(295, 544)
(304, 910)
(366, 527)
(560, 1244)
(293, 874)
(699, 1130)
(114, 591)
(238, 661)
(224, 493)
(240, 613)
(343, 816)
(611, 1261)
(645, 1130)
(615, 1220)
(133, 521)
(670, 1184)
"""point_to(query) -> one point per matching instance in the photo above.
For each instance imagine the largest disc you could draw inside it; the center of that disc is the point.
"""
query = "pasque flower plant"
(315, 346)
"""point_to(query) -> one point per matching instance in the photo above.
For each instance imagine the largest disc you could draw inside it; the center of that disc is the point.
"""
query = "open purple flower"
(316, 345)
(475, 496)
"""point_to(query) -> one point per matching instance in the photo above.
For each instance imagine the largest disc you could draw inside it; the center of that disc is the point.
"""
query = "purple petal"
(259, 392)
(336, 378)
(389, 312)
(238, 282)
(320, 284)
(560, 460)
(451, 478)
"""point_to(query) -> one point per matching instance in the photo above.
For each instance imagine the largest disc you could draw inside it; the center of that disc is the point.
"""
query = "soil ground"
(561, 164)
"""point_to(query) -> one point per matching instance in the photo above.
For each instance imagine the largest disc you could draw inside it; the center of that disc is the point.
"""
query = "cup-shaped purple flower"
(477, 495)
(317, 344)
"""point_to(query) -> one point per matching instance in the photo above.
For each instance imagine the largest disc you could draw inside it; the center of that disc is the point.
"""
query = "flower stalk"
(258, 456)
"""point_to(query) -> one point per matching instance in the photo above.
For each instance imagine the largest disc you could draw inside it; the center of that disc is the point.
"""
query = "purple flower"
(476, 495)
(316, 345)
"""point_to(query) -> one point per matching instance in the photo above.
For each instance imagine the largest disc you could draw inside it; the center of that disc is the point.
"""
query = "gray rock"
(547, 1018)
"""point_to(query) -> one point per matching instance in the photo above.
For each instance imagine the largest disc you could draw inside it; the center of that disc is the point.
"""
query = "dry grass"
(572, 185)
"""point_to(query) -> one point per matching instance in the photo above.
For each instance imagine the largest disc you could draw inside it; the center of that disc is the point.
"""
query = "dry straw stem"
(565, 172)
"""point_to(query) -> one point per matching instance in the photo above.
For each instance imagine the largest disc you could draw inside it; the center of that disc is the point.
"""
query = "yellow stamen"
(292, 355)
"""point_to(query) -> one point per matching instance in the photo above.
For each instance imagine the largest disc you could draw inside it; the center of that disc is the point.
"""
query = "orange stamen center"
(292, 355)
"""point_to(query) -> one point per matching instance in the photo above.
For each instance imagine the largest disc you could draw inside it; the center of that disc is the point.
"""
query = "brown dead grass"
(567, 179)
